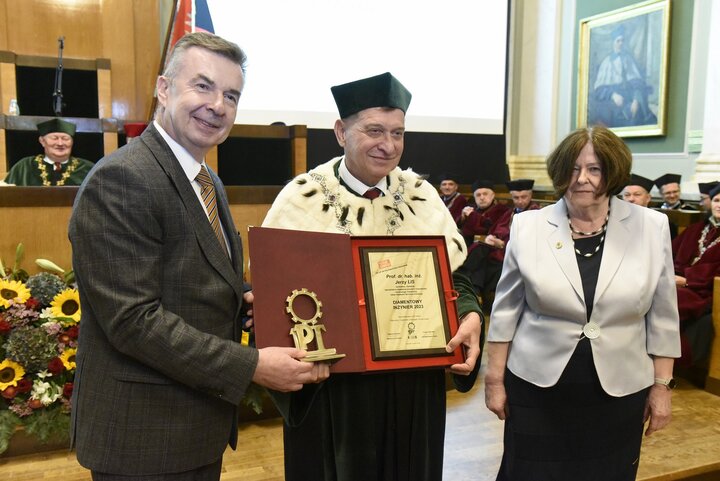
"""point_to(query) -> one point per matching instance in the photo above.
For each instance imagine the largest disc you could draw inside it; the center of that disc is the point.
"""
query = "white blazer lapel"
(617, 239)
(560, 244)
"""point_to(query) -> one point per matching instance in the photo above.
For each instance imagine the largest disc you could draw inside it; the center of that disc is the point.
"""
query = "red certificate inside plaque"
(386, 302)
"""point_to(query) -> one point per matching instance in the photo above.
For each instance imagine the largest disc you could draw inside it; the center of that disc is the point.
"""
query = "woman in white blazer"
(584, 327)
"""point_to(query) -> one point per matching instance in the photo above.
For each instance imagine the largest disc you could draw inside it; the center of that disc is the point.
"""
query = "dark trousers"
(210, 472)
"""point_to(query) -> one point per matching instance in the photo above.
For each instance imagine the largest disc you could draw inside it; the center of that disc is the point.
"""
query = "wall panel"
(125, 31)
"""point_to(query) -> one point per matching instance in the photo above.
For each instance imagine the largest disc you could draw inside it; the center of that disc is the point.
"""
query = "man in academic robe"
(638, 192)
(669, 187)
(705, 188)
(385, 426)
(453, 200)
(478, 219)
(56, 166)
(486, 256)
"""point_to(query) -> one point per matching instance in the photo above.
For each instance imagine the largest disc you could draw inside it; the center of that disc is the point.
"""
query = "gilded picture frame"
(622, 69)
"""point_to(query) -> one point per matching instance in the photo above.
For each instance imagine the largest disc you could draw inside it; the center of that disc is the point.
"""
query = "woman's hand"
(658, 408)
(496, 398)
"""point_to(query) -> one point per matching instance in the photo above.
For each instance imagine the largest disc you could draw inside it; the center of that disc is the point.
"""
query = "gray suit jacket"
(159, 371)
(540, 307)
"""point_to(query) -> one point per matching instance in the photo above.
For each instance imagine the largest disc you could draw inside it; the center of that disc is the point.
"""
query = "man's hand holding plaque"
(308, 330)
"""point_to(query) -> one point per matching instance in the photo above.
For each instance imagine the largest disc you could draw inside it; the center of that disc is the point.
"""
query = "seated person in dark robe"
(696, 254)
(479, 219)
(638, 192)
(56, 166)
(454, 200)
(669, 187)
(485, 257)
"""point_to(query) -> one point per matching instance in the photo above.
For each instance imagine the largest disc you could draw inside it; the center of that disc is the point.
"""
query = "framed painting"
(622, 74)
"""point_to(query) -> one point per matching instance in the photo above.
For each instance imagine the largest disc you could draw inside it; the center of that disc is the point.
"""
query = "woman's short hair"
(614, 156)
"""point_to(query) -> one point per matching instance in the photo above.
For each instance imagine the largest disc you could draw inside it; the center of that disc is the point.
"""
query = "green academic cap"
(379, 91)
(56, 125)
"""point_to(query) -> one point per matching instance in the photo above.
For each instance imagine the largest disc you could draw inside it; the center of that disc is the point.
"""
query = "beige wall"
(125, 31)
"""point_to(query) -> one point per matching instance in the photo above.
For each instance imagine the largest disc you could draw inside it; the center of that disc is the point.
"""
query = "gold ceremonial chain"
(701, 243)
(42, 165)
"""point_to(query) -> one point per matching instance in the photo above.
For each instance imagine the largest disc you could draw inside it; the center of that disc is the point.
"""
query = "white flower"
(45, 392)
(43, 374)
(46, 313)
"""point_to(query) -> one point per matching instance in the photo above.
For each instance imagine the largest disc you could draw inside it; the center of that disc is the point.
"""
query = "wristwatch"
(668, 383)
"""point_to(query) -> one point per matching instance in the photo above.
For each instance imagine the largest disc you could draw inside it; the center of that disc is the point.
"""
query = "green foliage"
(52, 424)
(254, 396)
(8, 423)
(48, 424)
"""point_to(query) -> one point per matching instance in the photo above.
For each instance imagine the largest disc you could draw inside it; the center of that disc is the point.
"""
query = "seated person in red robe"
(485, 257)
(453, 200)
(696, 254)
(479, 219)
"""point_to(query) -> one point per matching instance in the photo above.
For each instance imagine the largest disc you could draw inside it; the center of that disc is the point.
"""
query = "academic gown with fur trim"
(381, 426)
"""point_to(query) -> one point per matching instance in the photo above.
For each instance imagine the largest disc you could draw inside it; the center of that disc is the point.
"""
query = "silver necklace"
(589, 234)
(597, 248)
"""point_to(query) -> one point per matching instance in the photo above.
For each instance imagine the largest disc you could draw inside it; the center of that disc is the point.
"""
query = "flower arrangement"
(39, 322)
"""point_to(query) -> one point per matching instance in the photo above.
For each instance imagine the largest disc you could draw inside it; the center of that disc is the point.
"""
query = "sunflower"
(10, 373)
(14, 291)
(68, 358)
(67, 305)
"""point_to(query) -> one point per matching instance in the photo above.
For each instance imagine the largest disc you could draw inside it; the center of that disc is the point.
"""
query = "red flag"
(183, 22)
(190, 16)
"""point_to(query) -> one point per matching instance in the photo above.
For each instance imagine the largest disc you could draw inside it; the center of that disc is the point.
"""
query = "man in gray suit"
(159, 268)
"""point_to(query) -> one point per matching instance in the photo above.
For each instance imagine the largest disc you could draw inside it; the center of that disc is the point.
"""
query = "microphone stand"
(57, 91)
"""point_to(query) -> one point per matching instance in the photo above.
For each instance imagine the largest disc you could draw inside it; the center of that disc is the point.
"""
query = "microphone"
(57, 90)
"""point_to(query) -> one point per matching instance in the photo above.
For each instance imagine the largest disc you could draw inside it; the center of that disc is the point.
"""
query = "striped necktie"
(207, 192)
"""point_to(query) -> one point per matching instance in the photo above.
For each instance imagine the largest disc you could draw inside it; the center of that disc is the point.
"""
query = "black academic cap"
(667, 179)
(714, 191)
(643, 182)
(706, 187)
(483, 184)
(449, 176)
(520, 184)
(379, 91)
(56, 125)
